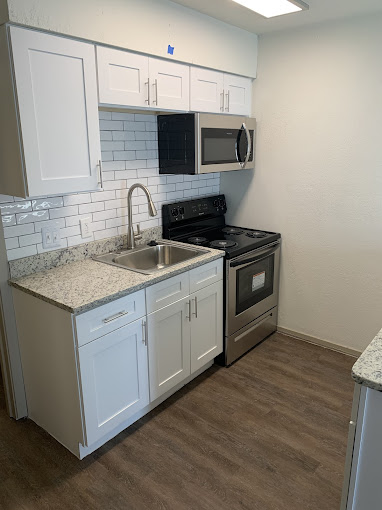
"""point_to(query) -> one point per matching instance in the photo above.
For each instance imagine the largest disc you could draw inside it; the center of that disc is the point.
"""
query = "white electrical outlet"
(86, 227)
(51, 237)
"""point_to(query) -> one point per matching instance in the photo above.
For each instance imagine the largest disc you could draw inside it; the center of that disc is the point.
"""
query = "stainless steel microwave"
(198, 143)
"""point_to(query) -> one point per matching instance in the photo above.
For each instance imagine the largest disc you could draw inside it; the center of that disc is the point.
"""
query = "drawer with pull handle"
(104, 319)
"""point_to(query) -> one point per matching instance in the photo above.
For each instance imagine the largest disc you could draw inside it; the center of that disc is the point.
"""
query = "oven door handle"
(256, 258)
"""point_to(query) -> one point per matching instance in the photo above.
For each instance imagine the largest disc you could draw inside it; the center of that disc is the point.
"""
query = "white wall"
(148, 26)
(318, 177)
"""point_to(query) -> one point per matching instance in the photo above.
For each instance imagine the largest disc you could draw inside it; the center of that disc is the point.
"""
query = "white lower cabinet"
(114, 378)
(89, 376)
(169, 347)
(206, 325)
(185, 335)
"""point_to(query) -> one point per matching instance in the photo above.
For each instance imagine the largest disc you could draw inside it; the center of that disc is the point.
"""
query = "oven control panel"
(193, 209)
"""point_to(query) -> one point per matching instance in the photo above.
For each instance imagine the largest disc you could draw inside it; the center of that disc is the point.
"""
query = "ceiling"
(319, 11)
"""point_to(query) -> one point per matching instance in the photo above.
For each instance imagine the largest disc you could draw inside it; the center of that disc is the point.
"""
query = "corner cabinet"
(212, 91)
(90, 376)
(129, 79)
(49, 137)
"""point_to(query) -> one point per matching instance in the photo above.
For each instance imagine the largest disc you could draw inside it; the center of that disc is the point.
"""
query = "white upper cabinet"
(207, 93)
(56, 85)
(129, 79)
(170, 85)
(237, 94)
(123, 77)
(215, 92)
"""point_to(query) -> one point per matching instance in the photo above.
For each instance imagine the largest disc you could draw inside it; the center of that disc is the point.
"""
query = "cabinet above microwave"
(197, 143)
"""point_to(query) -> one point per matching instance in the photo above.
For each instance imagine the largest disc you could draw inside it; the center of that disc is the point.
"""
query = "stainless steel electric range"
(252, 262)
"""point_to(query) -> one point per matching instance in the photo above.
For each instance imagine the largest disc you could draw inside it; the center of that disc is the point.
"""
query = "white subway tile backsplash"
(125, 135)
(104, 115)
(104, 215)
(81, 198)
(111, 125)
(30, 239)
(9, 221)
(20, 253)
(70, 210)
(135, 146)
(11, 243)
(89, 208)
(135, 126)
(60, 223)
(47, 203)
(124, 155)
(32, 217)
(122, 116)
(130, 155)
(101, 196)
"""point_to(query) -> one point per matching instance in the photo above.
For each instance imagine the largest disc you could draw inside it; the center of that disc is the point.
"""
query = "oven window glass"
(254, 283)
(220, 146)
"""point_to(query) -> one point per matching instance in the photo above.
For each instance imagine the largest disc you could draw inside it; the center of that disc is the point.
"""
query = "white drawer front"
(205, 275)
(167, 292)
(106, 318)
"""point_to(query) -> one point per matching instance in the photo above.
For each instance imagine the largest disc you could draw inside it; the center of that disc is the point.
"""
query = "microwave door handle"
(255, 258)
(248, 135)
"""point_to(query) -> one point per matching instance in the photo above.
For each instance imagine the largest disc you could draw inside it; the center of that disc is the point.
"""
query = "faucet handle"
(138, 234)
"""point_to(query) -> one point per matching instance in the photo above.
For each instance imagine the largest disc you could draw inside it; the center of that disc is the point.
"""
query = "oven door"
(225, 143)
(252, 286)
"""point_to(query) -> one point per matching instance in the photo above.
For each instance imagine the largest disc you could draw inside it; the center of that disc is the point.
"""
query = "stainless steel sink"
(150, 259)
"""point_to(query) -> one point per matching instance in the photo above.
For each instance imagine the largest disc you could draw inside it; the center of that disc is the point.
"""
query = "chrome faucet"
(131, 235)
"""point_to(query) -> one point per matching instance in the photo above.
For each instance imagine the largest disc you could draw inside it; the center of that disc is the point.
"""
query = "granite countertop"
(367, 370)
(80, 286)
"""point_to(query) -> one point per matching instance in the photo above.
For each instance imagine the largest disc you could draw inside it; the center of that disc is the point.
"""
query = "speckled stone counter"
(367, 370)
(80, 286)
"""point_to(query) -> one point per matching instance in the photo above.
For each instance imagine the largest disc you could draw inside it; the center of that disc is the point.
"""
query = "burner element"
(223, 244)
(256, 235)
(197, 240)
(232, 231)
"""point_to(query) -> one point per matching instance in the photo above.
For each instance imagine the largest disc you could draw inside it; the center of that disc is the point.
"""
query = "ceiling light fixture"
(271, 8)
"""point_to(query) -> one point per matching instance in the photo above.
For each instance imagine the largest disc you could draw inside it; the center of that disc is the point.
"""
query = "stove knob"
(181, 210)
(222, 203)
(174, 212)
(216, 203)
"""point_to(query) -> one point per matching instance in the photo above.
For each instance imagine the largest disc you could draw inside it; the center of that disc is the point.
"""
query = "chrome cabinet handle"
(155, 85)
(99, 166)
(144, 332)
(189, 311)
(114, 317)
(196, 307)
(222, 101)
(148, 91)
(227, 97)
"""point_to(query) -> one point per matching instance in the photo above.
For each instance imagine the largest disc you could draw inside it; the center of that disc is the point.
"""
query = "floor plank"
(268, 433)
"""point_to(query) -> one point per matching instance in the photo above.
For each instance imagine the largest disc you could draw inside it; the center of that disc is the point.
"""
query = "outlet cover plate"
(51, 237)
(86, 228)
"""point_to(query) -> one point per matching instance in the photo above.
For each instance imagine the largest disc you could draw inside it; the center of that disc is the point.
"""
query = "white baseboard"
(318, 341)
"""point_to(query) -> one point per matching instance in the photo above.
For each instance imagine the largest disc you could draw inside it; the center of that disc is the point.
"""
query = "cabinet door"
(114, 378)
(169, 84)
(206, 325)
(58, 107)
(206, 91)
(238, 94)
(122, 77)
(169, 347)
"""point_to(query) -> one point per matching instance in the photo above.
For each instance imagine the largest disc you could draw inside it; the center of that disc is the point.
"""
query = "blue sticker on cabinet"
(170, 49)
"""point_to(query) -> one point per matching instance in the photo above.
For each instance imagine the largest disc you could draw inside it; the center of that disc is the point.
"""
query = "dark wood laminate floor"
(269, 433)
